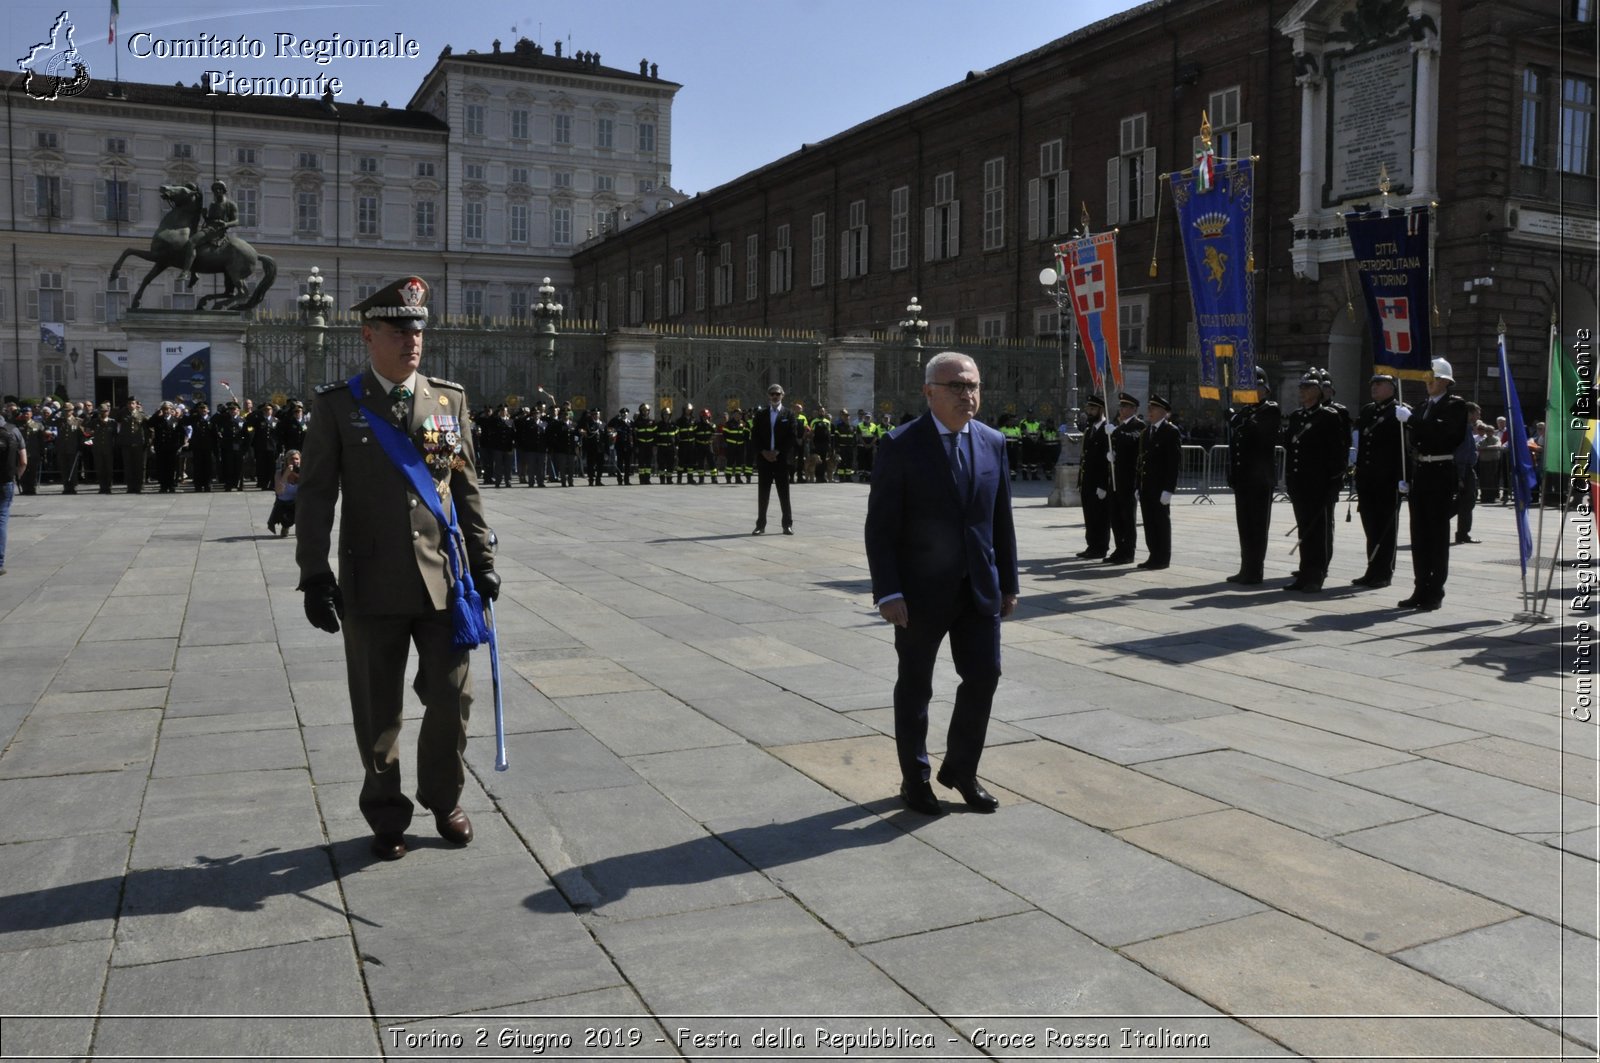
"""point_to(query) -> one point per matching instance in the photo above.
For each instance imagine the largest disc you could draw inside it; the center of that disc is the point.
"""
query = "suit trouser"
(375, 652)
(103, 460)
(1313, 513)
(1380, 522)
(975, 649)
(1466, 500)
(1125, 521)
(1433, 503)
(1157, 526)
(133, 469)
(768, 472)
(1252, 514)
(1096, 522)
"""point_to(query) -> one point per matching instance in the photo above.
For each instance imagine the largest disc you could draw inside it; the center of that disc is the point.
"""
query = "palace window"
(1131, 174)
(1049, 199)
(900, 227)
(780, 263)
(941, 223)
(994, 204)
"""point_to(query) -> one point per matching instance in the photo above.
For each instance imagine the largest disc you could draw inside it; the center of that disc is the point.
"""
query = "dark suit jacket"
(761, 435)
(922, 538)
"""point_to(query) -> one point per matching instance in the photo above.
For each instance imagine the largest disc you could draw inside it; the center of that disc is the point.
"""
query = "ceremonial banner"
(1215, 226)
(1391, 253)
(1524, 480)
(1090, 268)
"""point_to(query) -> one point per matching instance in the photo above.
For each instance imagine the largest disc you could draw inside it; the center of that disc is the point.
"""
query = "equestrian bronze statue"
(192, 239)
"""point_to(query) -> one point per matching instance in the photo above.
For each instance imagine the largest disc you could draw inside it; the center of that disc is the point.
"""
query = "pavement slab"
(1357, 897)
(1526, 966)
(1327, 997)
(1220, 807)
(1283, 794)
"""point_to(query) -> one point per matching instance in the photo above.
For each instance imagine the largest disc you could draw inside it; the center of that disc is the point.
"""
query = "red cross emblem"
(1396, 316)
(1089, 287)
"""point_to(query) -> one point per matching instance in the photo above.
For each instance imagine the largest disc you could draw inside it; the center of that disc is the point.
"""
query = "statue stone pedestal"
(1065, 490)
(631, 376)
(851, 374)
(149, 331)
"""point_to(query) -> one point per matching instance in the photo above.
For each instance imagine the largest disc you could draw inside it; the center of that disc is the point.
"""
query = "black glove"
(324, 604)
(488, 584)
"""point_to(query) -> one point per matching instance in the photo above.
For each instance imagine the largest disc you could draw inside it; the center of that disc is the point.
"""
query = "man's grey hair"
(944, 358)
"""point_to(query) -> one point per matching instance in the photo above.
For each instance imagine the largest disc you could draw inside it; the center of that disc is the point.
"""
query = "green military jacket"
(392, 551)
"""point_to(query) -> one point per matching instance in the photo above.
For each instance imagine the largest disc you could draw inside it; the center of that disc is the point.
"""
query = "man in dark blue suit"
(943, 556)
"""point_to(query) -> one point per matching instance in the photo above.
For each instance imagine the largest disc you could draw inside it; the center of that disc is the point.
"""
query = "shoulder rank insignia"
(443, 383)
(335, 385)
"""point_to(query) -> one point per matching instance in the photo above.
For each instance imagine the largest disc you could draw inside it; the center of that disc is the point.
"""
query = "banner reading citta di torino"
(1391, 253)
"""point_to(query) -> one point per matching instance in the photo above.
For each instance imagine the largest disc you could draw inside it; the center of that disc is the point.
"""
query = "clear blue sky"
(759, 77)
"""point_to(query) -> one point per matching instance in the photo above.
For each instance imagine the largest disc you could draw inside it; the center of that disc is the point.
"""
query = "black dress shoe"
(918, 797)
(760, 530)
(1085, 555)
(1119, 559)
(1413, 602)
(1297, 584)
(389, 846)
(1310, 586)
(1429, 605)
(1462, 540)
(1237, 577)
(788, 530)
(1248, 580)
(1152, 563)
(972, 792)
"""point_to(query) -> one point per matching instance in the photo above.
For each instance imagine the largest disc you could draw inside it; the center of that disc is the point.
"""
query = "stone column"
(631, 368)
(851, 365)
(1311, 110)
(1427, 119)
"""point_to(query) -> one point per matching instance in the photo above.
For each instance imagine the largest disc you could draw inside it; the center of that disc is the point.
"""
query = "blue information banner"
(186, 372)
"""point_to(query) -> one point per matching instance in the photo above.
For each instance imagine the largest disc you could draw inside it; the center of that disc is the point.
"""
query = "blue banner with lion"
(1215, 221)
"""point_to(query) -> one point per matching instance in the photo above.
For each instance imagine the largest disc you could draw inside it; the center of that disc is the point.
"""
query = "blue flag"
(1391, 253)
(1524, 477)
(1214, 223)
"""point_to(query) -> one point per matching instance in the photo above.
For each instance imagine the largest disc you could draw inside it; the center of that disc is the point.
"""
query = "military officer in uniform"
(1316, 454)
(131, 437)
(1437, 427)
(1123, 459)
(1253, 432)
(1347, 427)
(1380, 466)
(1160, 457)
(105, 447)
(1094, 481)
(395, 578)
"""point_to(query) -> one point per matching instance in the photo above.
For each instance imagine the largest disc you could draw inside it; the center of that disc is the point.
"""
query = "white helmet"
(1442, 370)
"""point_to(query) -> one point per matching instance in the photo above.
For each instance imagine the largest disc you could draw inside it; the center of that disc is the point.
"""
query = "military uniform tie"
(402, 402)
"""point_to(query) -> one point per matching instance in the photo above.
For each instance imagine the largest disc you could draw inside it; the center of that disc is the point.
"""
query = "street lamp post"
(314, 308)
(914, 328)
(545, 313)
(1065, 492)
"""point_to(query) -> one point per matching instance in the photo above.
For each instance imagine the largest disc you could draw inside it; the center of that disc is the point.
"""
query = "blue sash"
(466, 607)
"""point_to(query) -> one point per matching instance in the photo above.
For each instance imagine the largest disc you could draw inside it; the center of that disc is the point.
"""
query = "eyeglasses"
(957, 387)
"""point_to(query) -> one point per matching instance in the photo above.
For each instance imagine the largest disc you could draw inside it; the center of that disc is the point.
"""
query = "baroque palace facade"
(1483, 107)
(484, 182)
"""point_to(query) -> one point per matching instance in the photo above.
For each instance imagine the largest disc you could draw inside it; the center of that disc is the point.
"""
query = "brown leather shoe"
(388, 846)
(454, 826)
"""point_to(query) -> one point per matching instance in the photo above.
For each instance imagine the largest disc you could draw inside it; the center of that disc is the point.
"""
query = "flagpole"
(1549, 432)
(1527, 614)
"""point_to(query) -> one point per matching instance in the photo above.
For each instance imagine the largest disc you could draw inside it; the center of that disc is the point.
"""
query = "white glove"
(1405, 488)
(1109, 427)
(1402, 413)
(1110, 458)
(1166, 498)
(1099, 492)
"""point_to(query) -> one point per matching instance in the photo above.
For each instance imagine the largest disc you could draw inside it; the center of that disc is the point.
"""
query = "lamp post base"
(1065, 490)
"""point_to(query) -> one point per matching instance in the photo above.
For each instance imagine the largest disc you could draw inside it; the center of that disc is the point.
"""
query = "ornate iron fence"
(718, 369)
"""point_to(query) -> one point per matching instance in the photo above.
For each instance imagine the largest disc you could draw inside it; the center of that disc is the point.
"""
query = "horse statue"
(169, 249)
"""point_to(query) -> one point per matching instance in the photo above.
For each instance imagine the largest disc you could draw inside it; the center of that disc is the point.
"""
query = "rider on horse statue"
(222, 214)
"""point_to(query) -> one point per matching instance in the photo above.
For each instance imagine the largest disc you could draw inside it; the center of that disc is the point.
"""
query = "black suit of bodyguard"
(394, 576)
(1437, 428)
(1253, 432)
(1316, 452)
(1380, 466)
